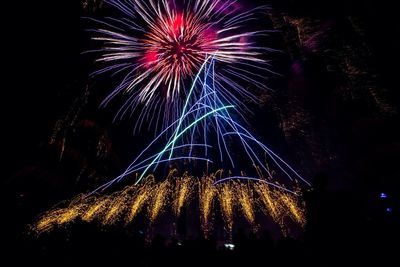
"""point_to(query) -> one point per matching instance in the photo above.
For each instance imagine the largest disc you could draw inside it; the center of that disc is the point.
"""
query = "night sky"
(334, 114)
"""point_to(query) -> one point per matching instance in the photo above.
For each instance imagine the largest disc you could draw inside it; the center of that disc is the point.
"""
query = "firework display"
(186, 64)
(207, 115)
(232, 200)
(160, 46)
(198, 132)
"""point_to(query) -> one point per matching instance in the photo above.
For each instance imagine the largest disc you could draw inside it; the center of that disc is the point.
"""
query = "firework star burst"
(159, 46)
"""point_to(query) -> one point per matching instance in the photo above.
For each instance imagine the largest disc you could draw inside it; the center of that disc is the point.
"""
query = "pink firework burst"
(161, 45)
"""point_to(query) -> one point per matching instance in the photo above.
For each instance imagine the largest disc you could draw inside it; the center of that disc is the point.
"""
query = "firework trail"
(57, 217)
(182, 193)
(96, 209)
(293, 209)
(246, 201)
(226, 195)
(207, 115)
(116, 208)
(280, 205)
(159, 200)
(268, 202)
(139, 198)
(159, 46)
(207, 193)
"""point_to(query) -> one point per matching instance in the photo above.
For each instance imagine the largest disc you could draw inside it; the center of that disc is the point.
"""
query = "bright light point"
(389, 209)
(229, 246)
(383, 195)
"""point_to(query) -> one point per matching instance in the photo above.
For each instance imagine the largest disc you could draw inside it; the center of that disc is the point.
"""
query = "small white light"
(229, 246)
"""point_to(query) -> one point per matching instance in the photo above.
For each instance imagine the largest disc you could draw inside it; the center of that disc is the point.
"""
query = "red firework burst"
(177, 46)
